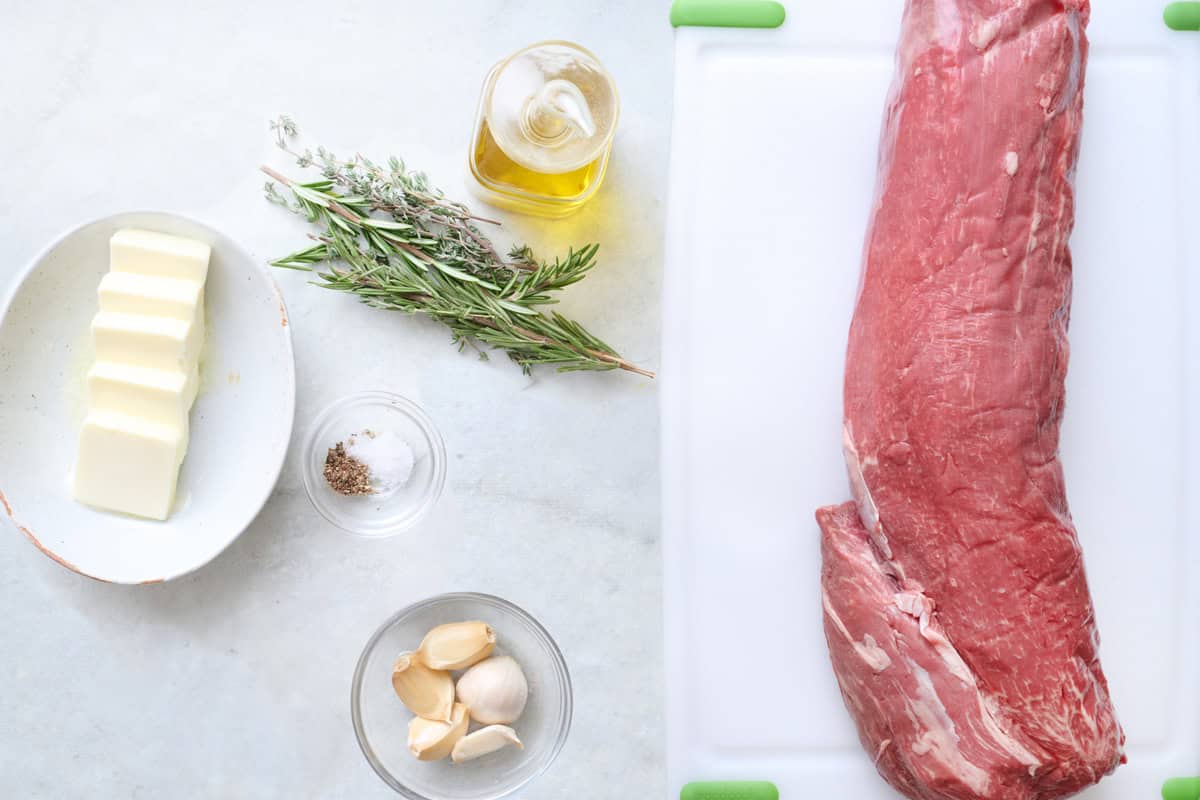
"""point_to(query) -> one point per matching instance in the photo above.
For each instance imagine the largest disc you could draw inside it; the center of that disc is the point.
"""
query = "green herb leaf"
(394, 241)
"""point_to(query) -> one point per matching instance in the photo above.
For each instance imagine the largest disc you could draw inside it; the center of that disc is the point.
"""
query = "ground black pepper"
(346, 475)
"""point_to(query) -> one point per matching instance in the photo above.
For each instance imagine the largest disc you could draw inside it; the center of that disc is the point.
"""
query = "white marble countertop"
(234, 682)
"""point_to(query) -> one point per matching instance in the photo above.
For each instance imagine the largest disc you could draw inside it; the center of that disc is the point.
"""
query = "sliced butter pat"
(155, 395)
(161, 254)
(131, 293)
(145, 341)
(150, 295)
(128, 464)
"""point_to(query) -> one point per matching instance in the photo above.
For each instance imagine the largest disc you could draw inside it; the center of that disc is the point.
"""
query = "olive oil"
(543, 131)
(501, 169)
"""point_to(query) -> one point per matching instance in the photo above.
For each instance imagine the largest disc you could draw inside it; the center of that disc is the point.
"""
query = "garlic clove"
(484, 741)
(457, 645)
(432, 740)
(495, 690)
(426, 692)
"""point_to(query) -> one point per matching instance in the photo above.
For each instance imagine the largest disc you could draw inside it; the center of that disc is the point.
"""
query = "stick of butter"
(148, 333)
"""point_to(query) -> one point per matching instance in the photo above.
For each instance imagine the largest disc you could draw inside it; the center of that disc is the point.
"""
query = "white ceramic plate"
(240, 425)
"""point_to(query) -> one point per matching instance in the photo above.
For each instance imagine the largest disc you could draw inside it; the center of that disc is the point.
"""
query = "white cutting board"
(772, 176)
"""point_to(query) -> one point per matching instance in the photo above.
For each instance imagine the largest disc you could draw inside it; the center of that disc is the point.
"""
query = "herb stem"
(597, 354)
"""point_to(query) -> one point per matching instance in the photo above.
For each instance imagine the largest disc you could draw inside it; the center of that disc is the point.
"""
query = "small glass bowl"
(381, 721)
(376, 515)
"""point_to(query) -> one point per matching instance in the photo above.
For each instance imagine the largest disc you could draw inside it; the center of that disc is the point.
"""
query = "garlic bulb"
(494, 690)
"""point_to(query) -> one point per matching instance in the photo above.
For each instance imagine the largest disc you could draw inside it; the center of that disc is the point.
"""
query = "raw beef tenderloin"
(956, 607)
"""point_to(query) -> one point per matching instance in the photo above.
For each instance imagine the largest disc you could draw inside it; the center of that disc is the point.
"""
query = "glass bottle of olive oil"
(544, 130)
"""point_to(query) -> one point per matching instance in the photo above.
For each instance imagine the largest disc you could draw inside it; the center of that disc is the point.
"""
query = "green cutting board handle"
(1181, 789)
(729, 790)
(1182, 16)
(727, 13)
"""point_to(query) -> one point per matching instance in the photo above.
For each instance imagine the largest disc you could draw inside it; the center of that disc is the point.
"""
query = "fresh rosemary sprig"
(396, 242)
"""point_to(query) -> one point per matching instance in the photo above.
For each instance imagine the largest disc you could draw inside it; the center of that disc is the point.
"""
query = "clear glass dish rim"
(413, 412)
(560, 662)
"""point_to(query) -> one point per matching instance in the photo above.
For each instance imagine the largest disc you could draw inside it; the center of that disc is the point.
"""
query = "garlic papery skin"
(484, 741)
(494, 690)
(432, 740)
(457, 645)
(426, 692)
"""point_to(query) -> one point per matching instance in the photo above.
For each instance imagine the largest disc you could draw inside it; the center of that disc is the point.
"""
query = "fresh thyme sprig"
(394, 241)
